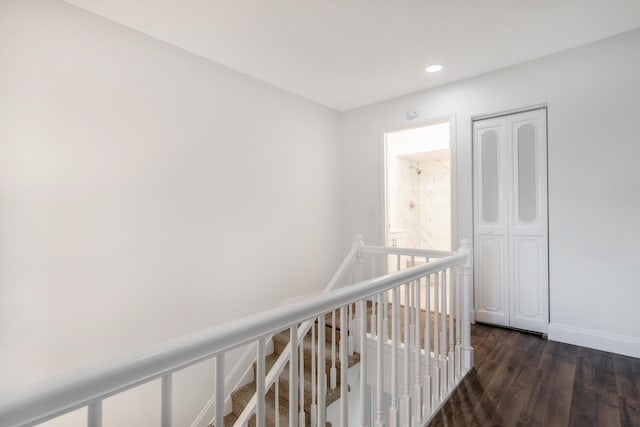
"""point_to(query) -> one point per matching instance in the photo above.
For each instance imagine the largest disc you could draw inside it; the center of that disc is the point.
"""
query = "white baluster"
(260, 393)
(313, 408)
(219, 405)
(394, 420)
(417, 387)
(379, 369)
(344, 366)
(443, 314)
(333, 372)
(363, 363)
(374, 322)
(450, 357)
(406, 398)
(466, 291)
(277, 401)
(322, 374)
(355, 327)
(374, 318)
(385, 324)
(94, 414)
(427, 348)
(458, 322)
(412, 304)
(165, 400)
(443, 335)
(436, 338)
(350, 328)
(293, 377)
(301, 414)
(386, 321)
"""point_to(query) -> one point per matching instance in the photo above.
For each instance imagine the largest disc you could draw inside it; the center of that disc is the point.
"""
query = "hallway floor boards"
(521, 379)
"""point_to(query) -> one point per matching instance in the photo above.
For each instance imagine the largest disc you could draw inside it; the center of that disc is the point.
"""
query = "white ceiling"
(349, 53)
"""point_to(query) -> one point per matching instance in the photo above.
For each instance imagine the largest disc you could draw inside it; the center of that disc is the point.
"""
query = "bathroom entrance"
(418, 187)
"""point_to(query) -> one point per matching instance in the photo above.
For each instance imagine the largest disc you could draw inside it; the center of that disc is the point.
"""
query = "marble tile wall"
(435, 204)
(423, 205)
(408, 222)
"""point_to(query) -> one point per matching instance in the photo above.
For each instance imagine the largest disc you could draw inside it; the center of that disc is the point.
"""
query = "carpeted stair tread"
(246, 395)
(280, 342)
(328, 318)
(241, 397)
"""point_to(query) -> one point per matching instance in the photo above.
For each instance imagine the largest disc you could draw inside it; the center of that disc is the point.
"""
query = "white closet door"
(491, 221)
(528, 260)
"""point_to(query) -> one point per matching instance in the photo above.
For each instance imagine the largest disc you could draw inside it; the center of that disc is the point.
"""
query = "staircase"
(360, 280)
(240, 397)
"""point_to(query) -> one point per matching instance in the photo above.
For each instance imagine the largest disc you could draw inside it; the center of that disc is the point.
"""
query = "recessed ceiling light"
(433, 68)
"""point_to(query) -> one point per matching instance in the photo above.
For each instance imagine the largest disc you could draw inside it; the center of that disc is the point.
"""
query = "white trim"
(453, 181)
(508, 112)
(605, 341)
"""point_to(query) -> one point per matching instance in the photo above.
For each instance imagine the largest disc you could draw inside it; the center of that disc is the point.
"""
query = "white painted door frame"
(451, 118)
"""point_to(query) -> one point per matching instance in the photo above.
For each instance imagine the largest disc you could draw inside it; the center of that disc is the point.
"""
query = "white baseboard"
(620, 344)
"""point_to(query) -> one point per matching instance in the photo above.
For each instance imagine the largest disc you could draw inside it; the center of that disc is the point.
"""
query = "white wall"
(593, 96)
(146, 193)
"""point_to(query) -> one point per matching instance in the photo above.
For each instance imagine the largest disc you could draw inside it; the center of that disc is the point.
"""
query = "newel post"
(354, 337)
(467, 271)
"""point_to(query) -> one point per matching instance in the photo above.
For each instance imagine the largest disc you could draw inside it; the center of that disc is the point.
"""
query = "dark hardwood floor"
(521, 379)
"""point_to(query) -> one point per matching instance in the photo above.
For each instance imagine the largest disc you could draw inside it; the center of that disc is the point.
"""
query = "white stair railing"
(337, 281)
(435, 371)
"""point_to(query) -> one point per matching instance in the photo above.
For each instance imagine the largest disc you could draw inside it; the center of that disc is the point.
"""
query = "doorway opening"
(418, 187)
